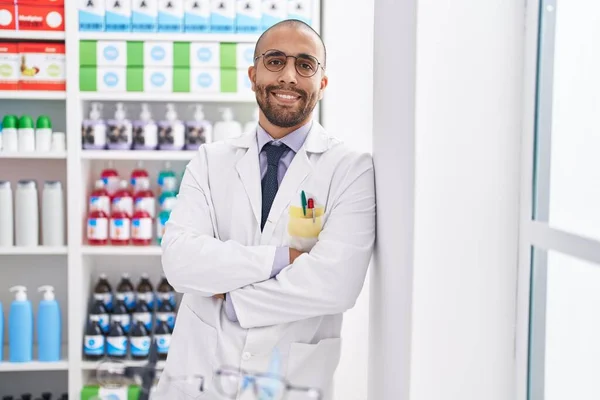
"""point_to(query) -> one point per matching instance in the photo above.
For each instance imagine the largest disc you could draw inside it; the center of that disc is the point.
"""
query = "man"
(271, 236)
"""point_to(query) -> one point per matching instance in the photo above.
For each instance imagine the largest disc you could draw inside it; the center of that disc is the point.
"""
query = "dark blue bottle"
(121, 315)
(166, 313)
(99, 314)
(140, 341)
(142, 313)
(116, 341)
(162, 335)
(93, 341)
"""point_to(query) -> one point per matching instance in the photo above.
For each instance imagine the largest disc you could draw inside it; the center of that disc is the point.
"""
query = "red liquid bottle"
(144, 198)
(120, 228)
(141, 228)
(97, 228)
(123, 199)
(111, 180)
(99, 198)
(139, 175)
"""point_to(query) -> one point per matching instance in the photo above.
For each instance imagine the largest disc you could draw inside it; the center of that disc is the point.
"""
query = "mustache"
(271, 88)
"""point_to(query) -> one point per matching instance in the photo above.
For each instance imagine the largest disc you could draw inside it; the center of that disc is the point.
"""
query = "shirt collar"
(294, 140)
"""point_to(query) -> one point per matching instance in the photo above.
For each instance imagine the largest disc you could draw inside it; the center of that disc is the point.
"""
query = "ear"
(252, 76)
(324, 83)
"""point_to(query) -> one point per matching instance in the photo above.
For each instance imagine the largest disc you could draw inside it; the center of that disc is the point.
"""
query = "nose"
(288, 73)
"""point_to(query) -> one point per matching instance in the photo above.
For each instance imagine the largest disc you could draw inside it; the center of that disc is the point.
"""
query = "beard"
(281, 115)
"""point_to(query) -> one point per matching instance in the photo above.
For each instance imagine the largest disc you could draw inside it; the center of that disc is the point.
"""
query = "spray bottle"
(171, 134)
(145, 131)
(227, 128)
(48, 326)
(120, 130)
(20, 327)
(93, 130)
(199, 131)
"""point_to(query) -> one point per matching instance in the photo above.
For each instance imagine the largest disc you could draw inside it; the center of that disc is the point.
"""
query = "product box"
(196, 16)
(181, 80)
(158, 54)
(91, 392)
(222, 16)
(229, 80)
(42, 66)
(135, 79)
(158, 79)
(88, 79)
(8, 15)
(228, 55)
(248, 18)
(170, 15)
(118, 15)
(41, 15)
(91, 15)
(205, 54)
(244, 55)
(205, 80)
(144, 16)
(9, 66)
(273, 11)
(111, 53)
(111, 79)
(301, 10)
(244, 86)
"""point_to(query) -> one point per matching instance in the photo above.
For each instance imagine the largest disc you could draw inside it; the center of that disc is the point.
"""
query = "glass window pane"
(568, 117)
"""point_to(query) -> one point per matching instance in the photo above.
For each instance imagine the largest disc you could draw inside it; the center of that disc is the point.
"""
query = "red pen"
(311, 206)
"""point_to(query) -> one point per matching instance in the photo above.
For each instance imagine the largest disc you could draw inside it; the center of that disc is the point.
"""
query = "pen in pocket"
(311, 207)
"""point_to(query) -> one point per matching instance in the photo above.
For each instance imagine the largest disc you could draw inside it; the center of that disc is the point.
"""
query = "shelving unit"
(7, 366)
(168, 97)
(173, 37)
(121, 251)
(32, 95)
(62, 155)
(32, 35)
(37, 251)
(137, 155)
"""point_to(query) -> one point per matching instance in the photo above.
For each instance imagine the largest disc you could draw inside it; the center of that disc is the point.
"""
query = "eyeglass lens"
(306, 65)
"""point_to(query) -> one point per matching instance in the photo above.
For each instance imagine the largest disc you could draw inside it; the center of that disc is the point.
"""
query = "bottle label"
(116, 346)
(101, 203)
(120, 229)
(123, 319)
(146, 204)
(111, 183)
(97, 229)
(144, 317)
(140, 346)
(102, 320)
(163, 342)
(139, 180)
(161, 225)
(93, 345)
(106, 298)
(123, 203)
(142, 228)
(167, 183)
(168, 203)
(128, 298)
(168, 296)
(148, 298)
(168, 317)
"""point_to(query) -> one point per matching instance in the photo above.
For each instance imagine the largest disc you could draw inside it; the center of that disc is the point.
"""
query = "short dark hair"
(292, 23)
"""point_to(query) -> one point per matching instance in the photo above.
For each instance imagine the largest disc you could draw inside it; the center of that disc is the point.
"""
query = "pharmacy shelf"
(32, 35)
(169, 97)
(34, 156)
(33, 251)
(121, 250)
(7, 366)
(172, 37)
(33, 94)
(93, 365)
(136, 155)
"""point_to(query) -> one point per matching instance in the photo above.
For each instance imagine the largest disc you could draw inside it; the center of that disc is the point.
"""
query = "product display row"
(32, 15)
(29, 396)
(170, 133)
(32, 66)
(20, 135)
(194, 16)
(21, 327)
(20, 219)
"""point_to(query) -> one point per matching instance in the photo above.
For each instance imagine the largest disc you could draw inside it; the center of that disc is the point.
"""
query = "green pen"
(303, 200)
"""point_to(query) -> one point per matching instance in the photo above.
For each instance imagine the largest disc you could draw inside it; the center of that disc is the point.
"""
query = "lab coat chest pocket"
(313, 365)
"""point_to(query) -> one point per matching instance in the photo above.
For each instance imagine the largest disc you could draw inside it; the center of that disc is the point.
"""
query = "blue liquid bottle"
(20, 327)
(48, 326)
(99, 314)
(162, 335)
(121, 315)
(94, 344)
(116, 341)
(140, 341)
(166, 313)
(142, 314)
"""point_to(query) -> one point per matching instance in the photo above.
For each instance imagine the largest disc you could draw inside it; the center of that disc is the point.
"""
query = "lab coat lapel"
(248, 169)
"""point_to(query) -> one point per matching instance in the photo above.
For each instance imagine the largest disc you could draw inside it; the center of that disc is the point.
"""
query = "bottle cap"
(145, 114)
(102, 275)
(171, 114)
(144, 275)
(27, 184)
(95, 111)
(48, 292)
(120, 113)
(25, 122)
(4, 184)
(52, 184)
(21, 292)
(125, 275)
(9, 121)
(43, 122)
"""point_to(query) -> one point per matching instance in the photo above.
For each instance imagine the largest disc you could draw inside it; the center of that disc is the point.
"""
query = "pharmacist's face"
(286, 97)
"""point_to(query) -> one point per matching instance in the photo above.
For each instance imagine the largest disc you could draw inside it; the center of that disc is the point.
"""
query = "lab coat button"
(246, 356)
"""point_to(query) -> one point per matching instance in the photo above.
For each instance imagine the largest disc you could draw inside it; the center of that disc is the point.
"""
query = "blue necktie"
(269, 182)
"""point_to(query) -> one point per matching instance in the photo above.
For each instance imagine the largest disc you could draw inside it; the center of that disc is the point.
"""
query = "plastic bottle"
(125, 292)
(144, 198)
(43, 134)
(139, 175)
(20, 327)
(123, 199)
(141, 228)
(93, 130)
(165, 292)
(119, 130)
(199, 131)
(99, 198)
(167, 199)
(140, 341)
(47, 396)
(227, 128)
(121, 315)
(250, 126)
(116, 341)
(171, 131)
(26, 396)
(10, 137)
(26, 214)
(161, 223)
(120, 227)
(7, 237)
(111, 179)
(166, 312)
(103, 292)
(53, 214)
(167, 179)
(26, 134)
(97, 228)
(94, 345)
(49, 326)
(142, 314)
(145, 291)
(162, 335)
(145, 131)
(99, 314)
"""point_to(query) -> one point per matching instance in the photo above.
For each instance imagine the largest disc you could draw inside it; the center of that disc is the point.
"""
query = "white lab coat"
(213, 244)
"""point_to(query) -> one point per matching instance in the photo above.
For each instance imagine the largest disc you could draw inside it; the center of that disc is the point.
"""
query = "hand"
(219, 296)
(294, 254)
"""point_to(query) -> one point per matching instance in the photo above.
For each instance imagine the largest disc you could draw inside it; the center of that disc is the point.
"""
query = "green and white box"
(244, 55)
(205, 80)
(205, 54)
(111, 53)
(158, 79)
(111, 79)
(158, 54)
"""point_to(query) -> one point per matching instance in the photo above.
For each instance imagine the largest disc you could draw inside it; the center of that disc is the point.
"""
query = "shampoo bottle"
(43, 134)
(48, 326)
(93, 130)
(171, 135)
(20, 327)
(227, 128)
(167, 178)
(199, 131)
(120, 130)
(7, 237)
(145, 131)
(26, 134)
(10, 137)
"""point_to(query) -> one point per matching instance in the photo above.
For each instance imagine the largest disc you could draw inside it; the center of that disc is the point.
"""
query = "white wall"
(463, 269)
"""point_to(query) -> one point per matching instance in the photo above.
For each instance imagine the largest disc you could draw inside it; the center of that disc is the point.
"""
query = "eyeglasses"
(230, 382)
(276, 60)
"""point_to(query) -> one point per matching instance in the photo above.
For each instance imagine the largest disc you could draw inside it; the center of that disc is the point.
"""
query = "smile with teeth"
(286, 97)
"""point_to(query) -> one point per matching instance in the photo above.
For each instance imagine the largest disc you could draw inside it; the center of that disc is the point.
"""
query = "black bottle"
(26, 396)
(7, 398)
(162, 335)
(47, 396)
(99, 314)
(165, 292)
(140, 341)
(94, 344)
(64, 396)
(166, 313)
(125, 292)
(103, 291)
(116, 342)
(145, 291)
(142, 313)
(121, 315)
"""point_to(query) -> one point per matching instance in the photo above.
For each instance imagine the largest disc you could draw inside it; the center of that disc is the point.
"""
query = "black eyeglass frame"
(295, 63)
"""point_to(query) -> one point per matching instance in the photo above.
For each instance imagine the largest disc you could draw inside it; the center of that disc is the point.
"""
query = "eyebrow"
(280, 52)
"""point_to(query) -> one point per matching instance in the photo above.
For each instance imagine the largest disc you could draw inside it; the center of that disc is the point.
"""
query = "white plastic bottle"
(26, 134)
(6, 215)
(53, 214)
(43, 134)
(26, 214)
(171, 134)
(199, 131)
(93, 130)
(10, 141)
(120, 130)
(145, 131)
(227, 128)
(250, 126)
